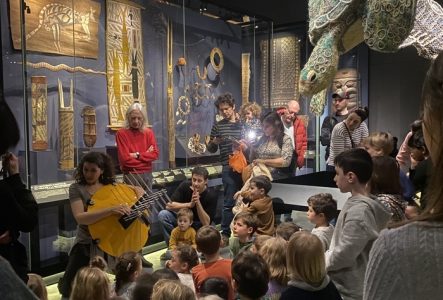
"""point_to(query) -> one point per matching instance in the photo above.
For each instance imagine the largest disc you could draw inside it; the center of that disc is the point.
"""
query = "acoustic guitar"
(118, 234)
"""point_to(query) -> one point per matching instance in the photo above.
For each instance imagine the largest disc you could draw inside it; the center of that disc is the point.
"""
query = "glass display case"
(78, 65)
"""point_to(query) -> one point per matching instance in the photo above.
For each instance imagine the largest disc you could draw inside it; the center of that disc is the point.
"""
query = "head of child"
(379, 144)
(353, 169)
(417, 146)
(165, 289)
(322, 208)
(259, 241)
(90, 284)
(250, 275)
(127, 268)
(385, 176)
(37, 286)
(215, 286)
(185, 217)
(245, 224)
(250, 111)
(286, 229)
(145, 283)
(184, 258)
(208, 240)
(259, 187)
(306, 258)
(98, 262)
(274, 253)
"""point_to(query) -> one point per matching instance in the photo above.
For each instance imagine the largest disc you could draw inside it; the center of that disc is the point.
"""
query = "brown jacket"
(262, 209)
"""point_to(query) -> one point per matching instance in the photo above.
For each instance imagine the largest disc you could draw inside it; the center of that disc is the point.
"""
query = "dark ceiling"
(279, 11)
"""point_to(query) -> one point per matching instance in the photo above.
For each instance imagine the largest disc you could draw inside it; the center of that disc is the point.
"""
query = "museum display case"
(80, 64)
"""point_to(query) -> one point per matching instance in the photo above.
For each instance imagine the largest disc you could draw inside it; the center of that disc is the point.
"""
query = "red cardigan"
(130, 141)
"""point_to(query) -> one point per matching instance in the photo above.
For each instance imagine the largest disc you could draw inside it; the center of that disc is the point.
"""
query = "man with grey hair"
(137, 148)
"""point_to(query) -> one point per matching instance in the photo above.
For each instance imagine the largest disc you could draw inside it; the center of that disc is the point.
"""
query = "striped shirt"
(340, 140)
(224, 129)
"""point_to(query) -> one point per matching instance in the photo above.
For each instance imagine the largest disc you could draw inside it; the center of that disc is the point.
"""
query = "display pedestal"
(43, 165)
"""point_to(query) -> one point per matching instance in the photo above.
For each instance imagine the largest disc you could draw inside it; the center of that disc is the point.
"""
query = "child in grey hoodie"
(358, 224)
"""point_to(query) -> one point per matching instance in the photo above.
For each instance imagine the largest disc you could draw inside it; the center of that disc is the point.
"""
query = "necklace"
(205, 73)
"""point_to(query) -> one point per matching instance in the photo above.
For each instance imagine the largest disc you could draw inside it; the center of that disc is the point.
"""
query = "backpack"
(326, 130)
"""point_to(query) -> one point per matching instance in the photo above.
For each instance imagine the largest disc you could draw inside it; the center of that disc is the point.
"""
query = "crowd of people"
(385, 243)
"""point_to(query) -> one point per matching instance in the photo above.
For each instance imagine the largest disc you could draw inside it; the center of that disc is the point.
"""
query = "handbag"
(237, 161)
(350, 136)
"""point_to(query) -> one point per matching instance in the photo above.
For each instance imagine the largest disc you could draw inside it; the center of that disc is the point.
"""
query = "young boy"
(358, 224)
(245, 224)
(183, 234)
(208, 242)
(322, 210)
(250, 276)
(260, 204)
(184, 258)
(286, 229)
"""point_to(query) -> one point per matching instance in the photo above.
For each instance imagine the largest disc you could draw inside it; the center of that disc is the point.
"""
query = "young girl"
(36, 285)
(306, 265)
(274, 253)
(90, 284)
(184, 258)
(127, 269)
(259, 241)
(250, 118)
(94, 171)
(385, 185)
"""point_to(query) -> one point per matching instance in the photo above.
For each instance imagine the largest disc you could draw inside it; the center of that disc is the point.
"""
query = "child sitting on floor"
(286, 229)
(208, 243)
(322, 210)
(127, 269)
(274, 253)
(306, 264)
(183, 233)
(260, 204)
(245, 224)
(184, 258)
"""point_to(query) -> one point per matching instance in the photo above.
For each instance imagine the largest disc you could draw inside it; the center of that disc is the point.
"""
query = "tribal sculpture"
(336, 26)
(39, 92)
(89, 126)
(66, 131)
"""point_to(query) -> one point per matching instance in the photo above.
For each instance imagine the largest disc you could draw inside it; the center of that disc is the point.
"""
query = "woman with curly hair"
(94, 171)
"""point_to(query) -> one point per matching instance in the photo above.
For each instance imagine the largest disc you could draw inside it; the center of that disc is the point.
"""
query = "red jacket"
(300, 138)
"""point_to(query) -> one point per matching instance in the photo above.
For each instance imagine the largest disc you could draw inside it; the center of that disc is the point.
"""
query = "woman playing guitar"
(94, 171)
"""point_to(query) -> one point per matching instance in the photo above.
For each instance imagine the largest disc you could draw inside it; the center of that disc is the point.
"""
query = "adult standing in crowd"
(295, 128)
(195, 195)
(137, 148)
(406, 261)
(274, 149)
(19, 209)
(340, 102)
(348, 134)
(225, 135)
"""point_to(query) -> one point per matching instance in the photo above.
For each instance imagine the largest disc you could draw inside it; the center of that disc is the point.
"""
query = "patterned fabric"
(224, 129)
(270, 149)
(395, 204)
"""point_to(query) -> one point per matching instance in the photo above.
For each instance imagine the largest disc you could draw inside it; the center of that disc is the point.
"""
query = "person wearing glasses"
(340, 102)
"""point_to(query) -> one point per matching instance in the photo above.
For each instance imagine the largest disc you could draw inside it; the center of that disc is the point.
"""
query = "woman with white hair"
(137, 148)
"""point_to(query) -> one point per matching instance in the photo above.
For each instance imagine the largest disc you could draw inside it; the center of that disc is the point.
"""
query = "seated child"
(90, 284)
(183, 233)
(245, 224)
(171, 289)
(286, 229)
(258, 243)
(127, 268)
(98, 262)
(260, 204)
(145, 283)
(358, 224)
(250, 276)
(37, 286)
(322, 210)
(214, 286)
(306, 264)
(274, 253)
(208, 243)
(184, 258)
